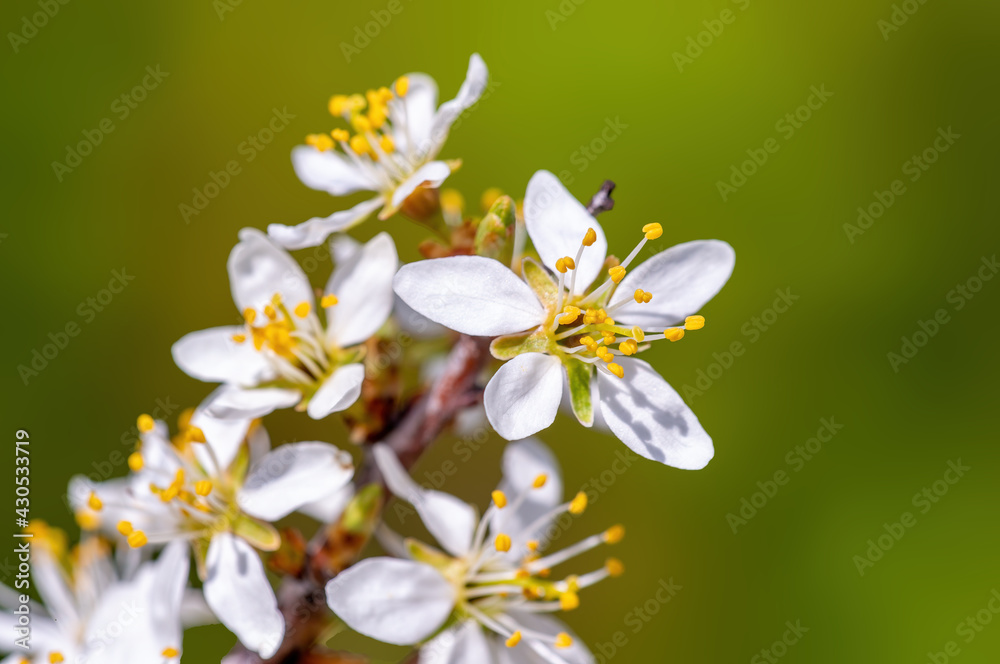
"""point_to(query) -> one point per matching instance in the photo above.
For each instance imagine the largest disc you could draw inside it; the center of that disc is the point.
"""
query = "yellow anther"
(647, 297)
(628, 347)
(638, 295)
(589, 342)
(321, 142)
(170, 653)
(578, 504)
(270, 312)
(570, 314)
(514, 639)
(360, 145)
(376, 115)
(145, 423)
(55, 657)
(614, 534)
(614, 567)
(674, 333)
(249, 315)
(572, 583)
(452, 201)
(489, 197)
(196, 435)
(402, 85)
(652, 231)
(563, 640)
(602, 352)
(590, 237)
(137, 539)
(540, 481)
(328, 301)
(694, 322)
(616, 369)
(340, 135)
(569, 601)
(638, 334)
(617, 273)
(302, 309)
(502, 543)
(87, 520)
(361, 124)
(609, 321)
(500, 499)
(239, 338)
(565, 263)
(136, 462)
(532, 545)
(601, 315)
(203, 487)
(125, 528)
(337, 104)
(387, 144)
(94, 503)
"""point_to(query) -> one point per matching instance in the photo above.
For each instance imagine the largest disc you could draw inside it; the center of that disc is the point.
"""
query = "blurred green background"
(562, 72)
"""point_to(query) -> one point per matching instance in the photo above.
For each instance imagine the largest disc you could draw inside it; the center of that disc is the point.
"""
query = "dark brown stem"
(602, 201)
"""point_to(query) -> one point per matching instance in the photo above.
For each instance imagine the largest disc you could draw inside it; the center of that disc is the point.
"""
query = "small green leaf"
(262, 536)
(493, 230)
(362, 511)
(511, 345)
(545, 288)
(579, 374)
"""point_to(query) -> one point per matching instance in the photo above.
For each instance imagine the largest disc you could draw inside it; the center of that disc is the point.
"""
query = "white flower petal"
(430, 175)
(470, 294)
(363, 286)
(52, 586)
(543, 624)
(450, 520)
(344, 248)
(337, 392)
(259, 268)
(463, 644)
(651, 418)
(233, 402)
(682, 279)
(312, 232)
(330, 170)
(413, 115)
(523, 397)
(556, 223)
(212, 356)
(472, 89)
(395, 601)
(523, 461)
(329, 508)
(239, 593)
(224, 436)
(291, 476)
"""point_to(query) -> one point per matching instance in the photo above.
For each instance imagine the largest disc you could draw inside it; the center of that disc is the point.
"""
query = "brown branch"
(602, 201)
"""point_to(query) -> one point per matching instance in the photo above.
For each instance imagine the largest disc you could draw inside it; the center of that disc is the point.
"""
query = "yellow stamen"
(638, 334)
(570, 314)
(170, 653)
(340, 135)
(616, 369)
(628, 347)
(590, 237)
(321, 142)
(614, 534)
(578, 504)
(614, 566)
(617, 273)
(514, 639)
(502, 543)
(302, 309)
(337, 104)
(387, 144)
(239, 338)
(569, 601)
(489, 197)
(361, 125)
(694, 322)
(452, 201)
(196, 435)
(249, 315)
(674, 333)
(87, 520)
(94, 503)
(136, 462)
(563, 640)
(500, 499)
(203, 487)
(540, 481)
(360, 144)
(125, 528)
(532, 545)
(652, 231)
(137, 539)
(402, 86)
(145, 423)
(565, 263)
(55, 657)
(270, 312)
(328, 301)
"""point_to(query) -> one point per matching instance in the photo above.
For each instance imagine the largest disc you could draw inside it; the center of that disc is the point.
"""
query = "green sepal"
(423, 553)
(579, 374)
(494, 228)
(362, 512)
(261, 535)
(509, 346)
(539, 280)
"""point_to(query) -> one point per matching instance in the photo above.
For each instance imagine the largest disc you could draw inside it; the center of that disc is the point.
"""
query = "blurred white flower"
(398, 134)
(564, 327)
(486, 596)
(218, 485)
(283, 355)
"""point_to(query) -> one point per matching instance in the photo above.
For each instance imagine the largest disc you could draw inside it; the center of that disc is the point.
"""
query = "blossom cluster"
(560, 323)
